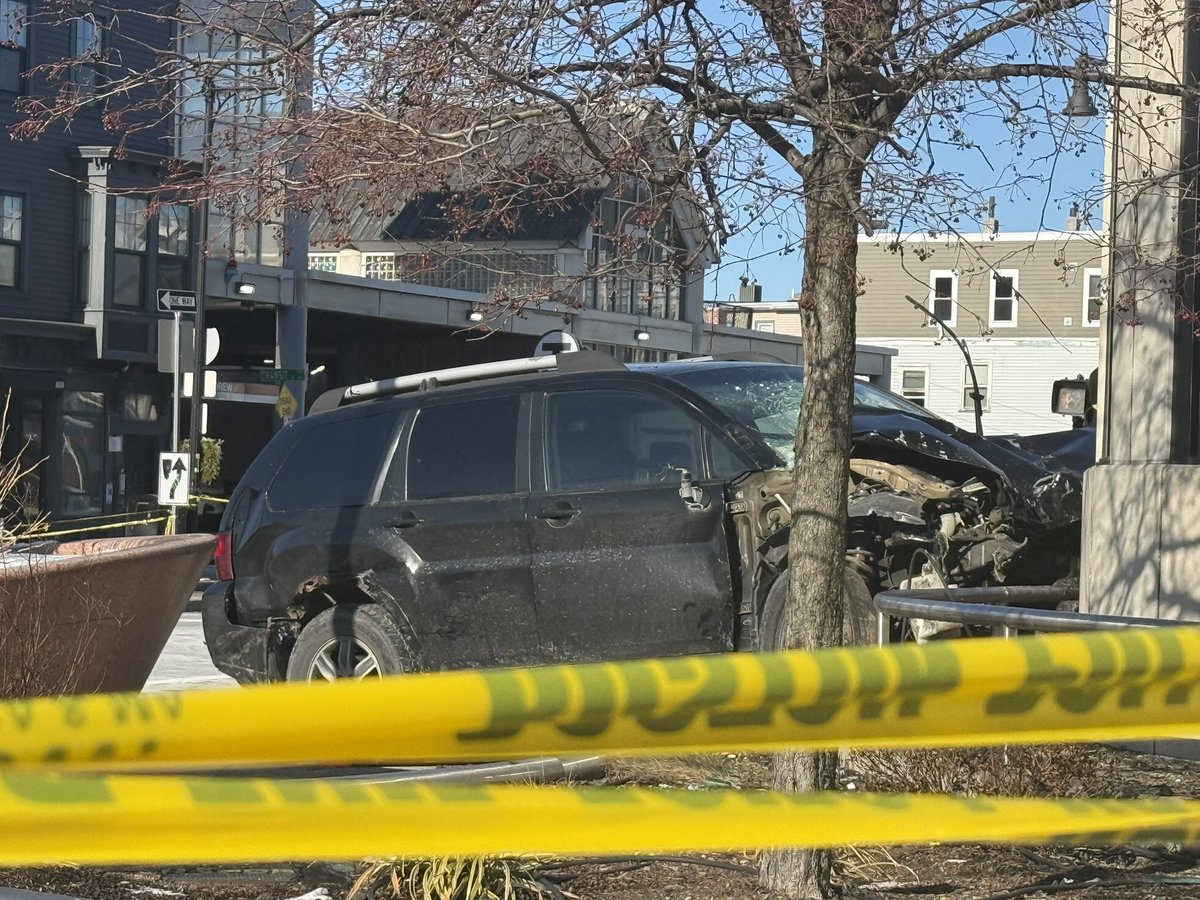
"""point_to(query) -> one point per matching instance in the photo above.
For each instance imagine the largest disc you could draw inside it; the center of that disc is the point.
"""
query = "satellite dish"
(554, 342)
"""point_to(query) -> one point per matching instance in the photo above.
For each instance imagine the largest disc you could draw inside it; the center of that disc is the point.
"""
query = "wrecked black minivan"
(573, 508)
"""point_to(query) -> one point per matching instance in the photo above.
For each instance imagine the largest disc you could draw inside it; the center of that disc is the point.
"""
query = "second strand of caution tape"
(1101, 686)
(164, 820)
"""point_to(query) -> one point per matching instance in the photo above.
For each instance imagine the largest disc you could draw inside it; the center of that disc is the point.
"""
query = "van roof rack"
(578, 361)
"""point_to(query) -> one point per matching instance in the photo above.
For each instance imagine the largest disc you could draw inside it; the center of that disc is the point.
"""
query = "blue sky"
(1040, 202)
(1034, 182)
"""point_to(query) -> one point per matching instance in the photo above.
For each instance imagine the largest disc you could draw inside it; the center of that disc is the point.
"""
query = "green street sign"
(278, 376)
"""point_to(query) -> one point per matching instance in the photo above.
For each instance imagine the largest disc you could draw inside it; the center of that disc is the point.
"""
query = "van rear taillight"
(223, 556)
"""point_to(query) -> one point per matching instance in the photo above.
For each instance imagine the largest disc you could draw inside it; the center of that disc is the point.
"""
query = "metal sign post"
(176, 303)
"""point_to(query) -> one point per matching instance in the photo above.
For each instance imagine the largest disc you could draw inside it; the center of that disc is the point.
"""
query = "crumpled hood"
(1039, 491)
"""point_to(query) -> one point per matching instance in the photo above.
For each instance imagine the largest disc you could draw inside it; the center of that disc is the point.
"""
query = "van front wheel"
(858, 623)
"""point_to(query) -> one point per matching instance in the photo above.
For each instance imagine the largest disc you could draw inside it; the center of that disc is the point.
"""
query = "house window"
(129, 257)
(1092, 298)
(12, 236)
(943, 296)
(1004, 298)
(14, 44)
(174, 246)
(634, 266)
(379, 265)
(481, 271)
(322, 262)
(983, 374)
(765, 326)
(914, 383)
(88, 44)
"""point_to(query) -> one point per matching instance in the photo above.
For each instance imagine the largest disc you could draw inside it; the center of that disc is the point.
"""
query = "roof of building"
(525, 218)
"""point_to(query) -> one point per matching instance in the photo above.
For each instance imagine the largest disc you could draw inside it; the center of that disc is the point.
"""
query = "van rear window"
(333, 465)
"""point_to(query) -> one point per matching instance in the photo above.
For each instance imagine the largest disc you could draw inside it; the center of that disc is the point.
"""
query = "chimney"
(1073, 218)
(990, 224)
(749, 292)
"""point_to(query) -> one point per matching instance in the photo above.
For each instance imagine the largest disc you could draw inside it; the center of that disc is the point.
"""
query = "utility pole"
(201, 265)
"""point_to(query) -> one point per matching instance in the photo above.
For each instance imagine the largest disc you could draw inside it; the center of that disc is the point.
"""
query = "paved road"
(184, 664)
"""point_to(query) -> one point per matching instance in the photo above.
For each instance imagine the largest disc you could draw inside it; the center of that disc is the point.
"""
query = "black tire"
(858, 624)
(354, 640)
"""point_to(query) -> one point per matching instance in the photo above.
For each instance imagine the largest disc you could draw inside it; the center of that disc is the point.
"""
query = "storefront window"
(29, 486)
(83, 453)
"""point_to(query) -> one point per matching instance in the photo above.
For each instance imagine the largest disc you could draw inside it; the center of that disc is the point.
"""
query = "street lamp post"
(201, 264)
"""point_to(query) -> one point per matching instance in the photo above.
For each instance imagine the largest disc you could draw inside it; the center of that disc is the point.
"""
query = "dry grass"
(447, 878)
(717, 770)
(1052, 770)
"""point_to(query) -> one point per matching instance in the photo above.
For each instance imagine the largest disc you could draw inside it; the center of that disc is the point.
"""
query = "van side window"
(461, 450)
(333, 465)
(604, 439)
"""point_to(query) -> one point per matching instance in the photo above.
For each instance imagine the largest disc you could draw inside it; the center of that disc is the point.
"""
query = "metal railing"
(1011, 609)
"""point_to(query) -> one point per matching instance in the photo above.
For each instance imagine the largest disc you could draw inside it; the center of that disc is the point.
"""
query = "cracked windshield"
(766, 399)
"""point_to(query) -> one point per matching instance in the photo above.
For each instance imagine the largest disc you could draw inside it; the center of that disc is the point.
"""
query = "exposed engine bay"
(993, 514)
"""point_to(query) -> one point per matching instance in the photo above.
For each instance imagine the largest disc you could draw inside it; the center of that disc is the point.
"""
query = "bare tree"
(833, 114)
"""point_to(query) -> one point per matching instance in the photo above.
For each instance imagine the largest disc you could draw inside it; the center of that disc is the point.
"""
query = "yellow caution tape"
(148, 820)
(1071, 687)
(38, 535)
(208, 499)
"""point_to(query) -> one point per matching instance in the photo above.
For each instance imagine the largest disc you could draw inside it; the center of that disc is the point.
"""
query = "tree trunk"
(817, 545)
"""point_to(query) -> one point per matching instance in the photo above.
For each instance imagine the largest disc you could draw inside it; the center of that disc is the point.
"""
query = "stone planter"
(93, 616)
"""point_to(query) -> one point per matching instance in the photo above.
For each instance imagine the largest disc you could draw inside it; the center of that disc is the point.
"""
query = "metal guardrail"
(1025, 609)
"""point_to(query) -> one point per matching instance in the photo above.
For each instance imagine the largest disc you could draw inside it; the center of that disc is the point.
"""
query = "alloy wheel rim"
(344, 657)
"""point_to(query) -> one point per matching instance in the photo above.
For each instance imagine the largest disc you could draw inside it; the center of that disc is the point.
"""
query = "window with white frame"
(768, 326)
(914, 384)
(943, 295)
(90, 47)
(480, 271)
(130, 247)
(983, 374)
(1004, 294)
(14, 45)
(1092, 297)
(322, 262)
(245, 94)
(379, 265)
(12, 238)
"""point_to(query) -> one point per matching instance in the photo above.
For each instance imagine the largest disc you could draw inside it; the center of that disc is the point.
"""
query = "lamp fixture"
(1080, 105)
(243, 288)
(474, 315)
(641, 334)
(318, 370)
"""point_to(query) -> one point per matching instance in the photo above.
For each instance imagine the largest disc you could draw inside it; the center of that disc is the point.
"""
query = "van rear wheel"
(349, 641)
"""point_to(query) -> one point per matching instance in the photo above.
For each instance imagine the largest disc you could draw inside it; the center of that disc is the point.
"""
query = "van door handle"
(558, 512)
(405, 519)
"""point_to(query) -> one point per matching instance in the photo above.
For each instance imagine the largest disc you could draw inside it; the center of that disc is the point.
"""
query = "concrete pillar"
(1141, 538)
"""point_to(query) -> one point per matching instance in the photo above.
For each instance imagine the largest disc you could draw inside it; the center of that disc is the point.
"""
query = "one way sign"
(174, 479)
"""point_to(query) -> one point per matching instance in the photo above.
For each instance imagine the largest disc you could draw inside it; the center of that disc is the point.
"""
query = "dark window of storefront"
(83, 453)
(32, 456)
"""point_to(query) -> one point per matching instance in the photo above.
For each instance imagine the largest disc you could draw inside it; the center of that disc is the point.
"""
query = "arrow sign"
(176, 301)
(174, 479)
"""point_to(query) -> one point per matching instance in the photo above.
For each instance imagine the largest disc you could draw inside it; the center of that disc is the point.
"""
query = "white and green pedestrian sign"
(174, 479)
